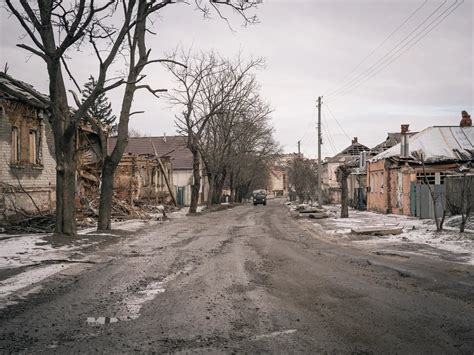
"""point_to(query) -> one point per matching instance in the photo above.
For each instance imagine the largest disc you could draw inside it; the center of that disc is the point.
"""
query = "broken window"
(33, 146)
(26, 142)
(153, 177)
(16, 146)
(433, 178)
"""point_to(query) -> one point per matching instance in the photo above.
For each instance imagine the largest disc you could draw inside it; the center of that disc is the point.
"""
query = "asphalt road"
(247, 280)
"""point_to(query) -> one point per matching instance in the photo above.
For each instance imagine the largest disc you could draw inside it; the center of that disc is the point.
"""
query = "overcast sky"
(311, 48)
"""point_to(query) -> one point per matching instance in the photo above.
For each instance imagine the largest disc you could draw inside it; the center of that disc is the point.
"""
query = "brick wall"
(39, 180)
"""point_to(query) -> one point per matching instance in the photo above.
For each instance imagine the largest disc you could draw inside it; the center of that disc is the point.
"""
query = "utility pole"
(320, 200)
(299, 151)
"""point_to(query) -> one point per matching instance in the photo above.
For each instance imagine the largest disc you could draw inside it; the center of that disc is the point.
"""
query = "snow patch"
(135, 302)
(416, 233)
(275, 334)
(25, 279)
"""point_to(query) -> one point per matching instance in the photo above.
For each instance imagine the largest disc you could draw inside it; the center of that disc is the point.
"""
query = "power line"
(328, 133)
(394, 48)
(328, 139)
(335, 119)
(399, 52)
(377, 47)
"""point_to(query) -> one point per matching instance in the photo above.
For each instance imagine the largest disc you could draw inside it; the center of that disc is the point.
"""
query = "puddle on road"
(102, 320)
(135, 302)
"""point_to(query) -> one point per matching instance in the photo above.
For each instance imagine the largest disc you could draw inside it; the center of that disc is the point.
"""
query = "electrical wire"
(376, 48)
(335, 119)
(389, 53)
(325, 127)
(393, 58)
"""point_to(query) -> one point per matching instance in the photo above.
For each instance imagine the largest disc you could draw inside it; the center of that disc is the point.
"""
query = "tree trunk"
(65, 148)
(106, 195)
(111, 162)
(219, 186)
(65, 196)
(197, 181)
(232, 189)
(464, 218)
(210, 192)
(344, 196)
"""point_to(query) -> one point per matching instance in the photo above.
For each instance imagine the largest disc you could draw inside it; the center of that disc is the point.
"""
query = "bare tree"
(435, 196)
(205, 87)
(252, 156)
(460, 196)
(54, 28)
(244, 110)
(303, 175)
(343, 173)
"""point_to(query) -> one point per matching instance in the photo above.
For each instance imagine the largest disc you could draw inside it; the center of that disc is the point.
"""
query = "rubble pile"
(39, 223)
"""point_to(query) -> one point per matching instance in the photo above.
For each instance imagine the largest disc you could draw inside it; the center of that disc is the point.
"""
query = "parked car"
(259, 197)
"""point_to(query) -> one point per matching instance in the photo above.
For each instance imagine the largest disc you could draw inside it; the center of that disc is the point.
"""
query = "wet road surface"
(248, 279)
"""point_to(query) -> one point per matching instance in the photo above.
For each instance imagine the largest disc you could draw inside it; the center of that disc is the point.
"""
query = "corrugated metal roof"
(437, 144)
(172, 146)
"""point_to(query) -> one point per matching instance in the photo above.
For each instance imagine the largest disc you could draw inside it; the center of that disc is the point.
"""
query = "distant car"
(259, 197)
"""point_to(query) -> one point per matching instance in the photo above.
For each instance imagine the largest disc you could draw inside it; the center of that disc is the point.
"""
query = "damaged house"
(277, 182)
(397, 177)
(27, 163)
(142, 175)
(357, 180)
(330, 184)
(149, 182)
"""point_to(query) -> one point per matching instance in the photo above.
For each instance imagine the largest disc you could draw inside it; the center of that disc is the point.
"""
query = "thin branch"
(70, 74)
(152, 91)
(32, 50)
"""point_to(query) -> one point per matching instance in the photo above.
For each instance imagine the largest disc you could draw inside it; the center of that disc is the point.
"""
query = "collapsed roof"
(172, 146)
(16, 90)
(353, 150)
(437, 144)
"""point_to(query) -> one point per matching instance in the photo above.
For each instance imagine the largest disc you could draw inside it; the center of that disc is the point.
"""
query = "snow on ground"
(25, 279)
(419, 236)
(183, 212)
(29, 252)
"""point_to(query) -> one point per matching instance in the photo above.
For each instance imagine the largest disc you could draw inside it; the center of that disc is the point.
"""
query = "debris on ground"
(318, 215)
(372, 231)
(34, 223)
(377, 230)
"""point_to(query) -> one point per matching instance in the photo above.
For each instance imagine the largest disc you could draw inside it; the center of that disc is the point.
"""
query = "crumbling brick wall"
(38, 179)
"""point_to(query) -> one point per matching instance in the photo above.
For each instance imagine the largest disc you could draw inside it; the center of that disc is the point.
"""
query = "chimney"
(354, 141)
(164, 137)
(466, 120)
(404, 143)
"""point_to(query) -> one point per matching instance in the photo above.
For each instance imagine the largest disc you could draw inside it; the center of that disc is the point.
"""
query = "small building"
(357, 180)
(142, 178)
(169, 148)
(27, 159)
(330, 184)
(278, 183)
(397, 178)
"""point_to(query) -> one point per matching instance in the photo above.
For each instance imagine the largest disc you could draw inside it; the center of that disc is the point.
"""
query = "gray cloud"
(309, 46)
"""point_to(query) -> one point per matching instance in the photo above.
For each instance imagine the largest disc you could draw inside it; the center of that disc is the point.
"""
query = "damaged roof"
(353, 150)
(12, 89)
(172, 146)
(438, 144)
(392, 139)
